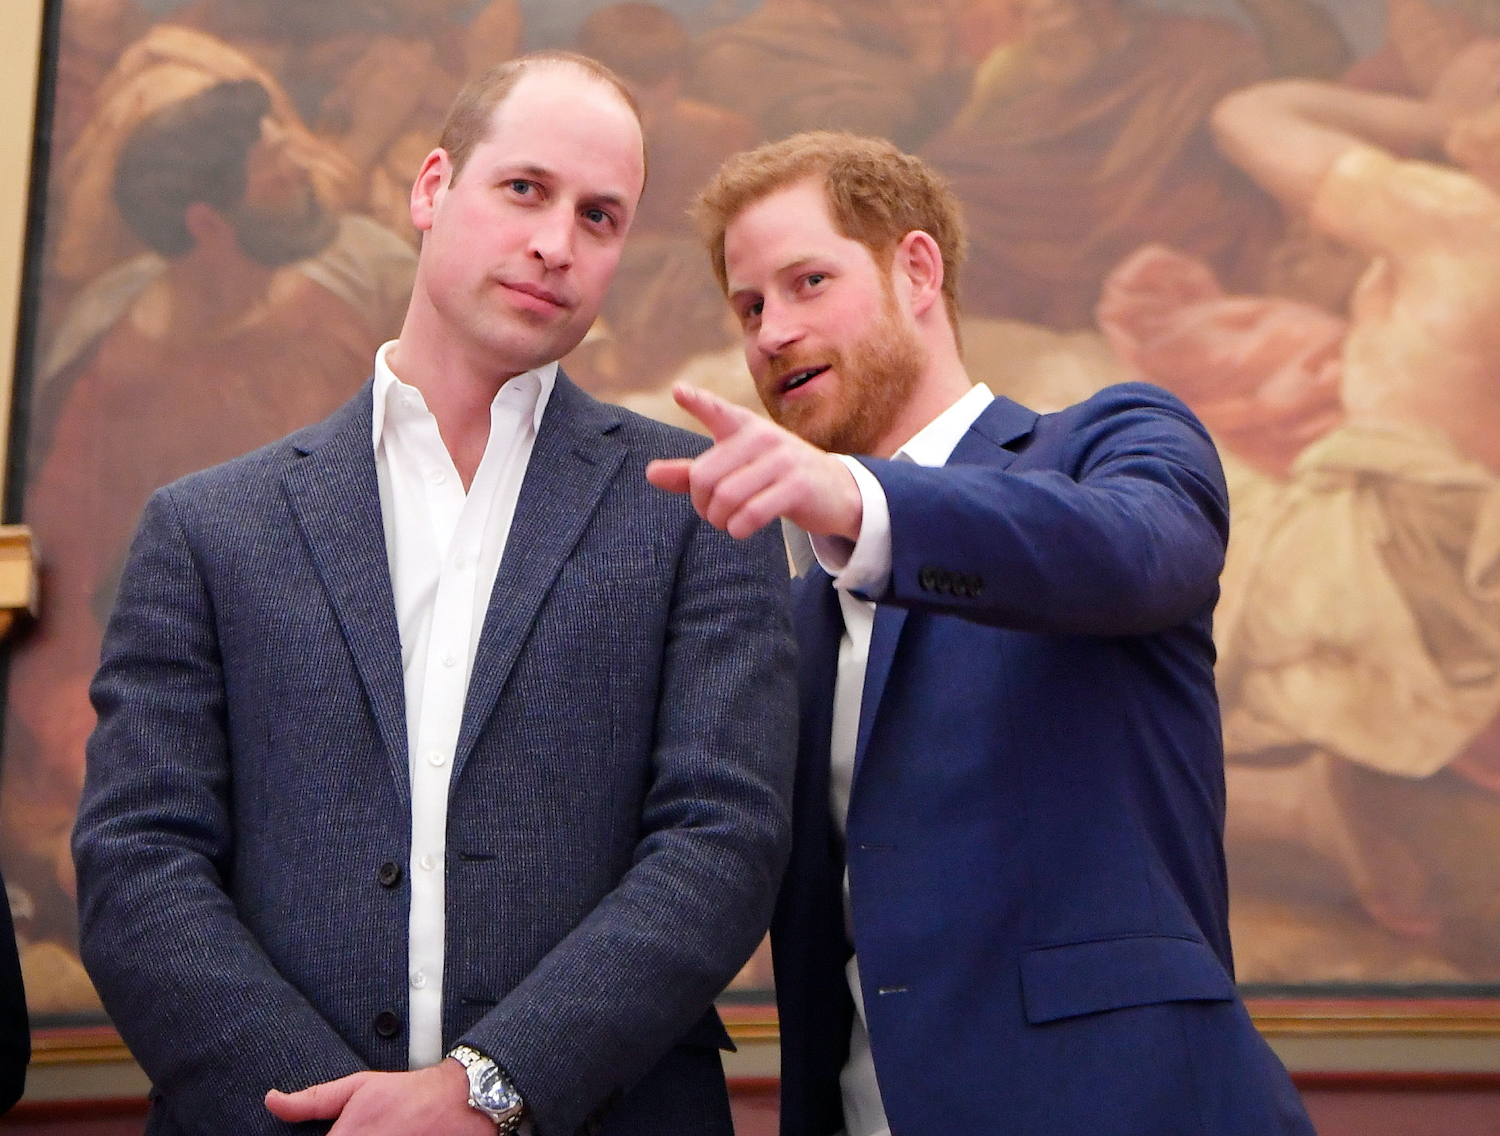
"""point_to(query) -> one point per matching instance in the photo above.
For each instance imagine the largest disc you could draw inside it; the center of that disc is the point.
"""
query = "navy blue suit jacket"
(1034, 845)
(618, 806)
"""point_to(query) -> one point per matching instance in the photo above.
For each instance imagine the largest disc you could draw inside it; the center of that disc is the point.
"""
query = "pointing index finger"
(722, 417)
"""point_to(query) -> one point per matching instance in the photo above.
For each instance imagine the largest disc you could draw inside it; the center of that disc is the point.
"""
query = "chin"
(527, 352)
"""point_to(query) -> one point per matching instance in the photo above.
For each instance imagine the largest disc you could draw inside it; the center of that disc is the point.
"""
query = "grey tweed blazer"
(618, 811)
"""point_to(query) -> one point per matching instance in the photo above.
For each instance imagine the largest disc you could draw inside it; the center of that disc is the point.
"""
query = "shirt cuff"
(864, 565)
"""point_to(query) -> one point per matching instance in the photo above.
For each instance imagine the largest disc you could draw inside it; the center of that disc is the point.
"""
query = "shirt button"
(460, 562)
(427, 863)
(450, 660)
(408, 402)
(418, 980)
(437, 477)
(437, 759)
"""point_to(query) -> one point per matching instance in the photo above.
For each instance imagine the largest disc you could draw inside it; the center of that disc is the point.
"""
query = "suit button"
(387, 1024)
(389, 874)
(976, 586)
(926, 578)
(945, 582)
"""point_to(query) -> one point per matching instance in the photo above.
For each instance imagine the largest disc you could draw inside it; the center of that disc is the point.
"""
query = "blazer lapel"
(572, 463)
(986, 442)
(335, 495)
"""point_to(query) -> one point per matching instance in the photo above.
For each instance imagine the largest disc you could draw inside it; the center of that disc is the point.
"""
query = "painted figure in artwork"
(1360, 634)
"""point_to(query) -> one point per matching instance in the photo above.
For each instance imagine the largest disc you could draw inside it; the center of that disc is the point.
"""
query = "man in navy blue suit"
(1006, 910)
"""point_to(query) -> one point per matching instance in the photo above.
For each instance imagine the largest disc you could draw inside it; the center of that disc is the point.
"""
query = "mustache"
(781, 367)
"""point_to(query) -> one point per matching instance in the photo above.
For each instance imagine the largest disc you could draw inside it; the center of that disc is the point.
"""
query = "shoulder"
(1136, 418)
(241, 487)
(1424, 188)
(644, 438)
(666, 441)
(1122, 399)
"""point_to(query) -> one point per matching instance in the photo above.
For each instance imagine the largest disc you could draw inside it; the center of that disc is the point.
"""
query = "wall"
(20, 42)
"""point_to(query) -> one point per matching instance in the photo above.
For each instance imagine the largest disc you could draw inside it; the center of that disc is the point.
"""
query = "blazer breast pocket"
(1112, 974)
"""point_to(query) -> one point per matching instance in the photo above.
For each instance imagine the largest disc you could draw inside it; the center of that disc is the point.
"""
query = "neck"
(212, 291)
(457, 381)
(942, 383)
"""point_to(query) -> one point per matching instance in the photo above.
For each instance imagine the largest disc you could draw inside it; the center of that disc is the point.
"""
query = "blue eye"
(816, 278)
(521, 187)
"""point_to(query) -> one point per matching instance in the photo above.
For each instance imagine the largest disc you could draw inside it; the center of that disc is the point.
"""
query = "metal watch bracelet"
(490, 1090)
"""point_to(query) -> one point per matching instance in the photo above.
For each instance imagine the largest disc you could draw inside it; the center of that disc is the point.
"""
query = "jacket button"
(387, 1024)
(389, 874)
(925, 579)
(976, 586)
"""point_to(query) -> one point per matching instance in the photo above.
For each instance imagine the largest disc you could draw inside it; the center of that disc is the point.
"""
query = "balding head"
(472, 115)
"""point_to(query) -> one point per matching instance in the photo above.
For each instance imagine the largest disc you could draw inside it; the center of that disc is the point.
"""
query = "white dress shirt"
(865, 566)
(444, 548)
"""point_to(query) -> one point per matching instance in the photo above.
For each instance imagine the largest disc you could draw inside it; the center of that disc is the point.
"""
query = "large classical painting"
(1138, 209)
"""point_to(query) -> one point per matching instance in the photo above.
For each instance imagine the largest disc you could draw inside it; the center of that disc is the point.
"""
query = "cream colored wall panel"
(20, 54)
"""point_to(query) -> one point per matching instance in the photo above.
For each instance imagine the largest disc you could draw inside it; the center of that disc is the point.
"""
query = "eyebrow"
(789, 266)
(542, 173)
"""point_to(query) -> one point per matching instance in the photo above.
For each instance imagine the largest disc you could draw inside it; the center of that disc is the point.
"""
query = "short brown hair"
(644, 43)
(876, 194)
(472, 113)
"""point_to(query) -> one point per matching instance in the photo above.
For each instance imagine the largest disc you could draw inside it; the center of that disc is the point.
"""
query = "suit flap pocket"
(1111, 974)
(709, 1033)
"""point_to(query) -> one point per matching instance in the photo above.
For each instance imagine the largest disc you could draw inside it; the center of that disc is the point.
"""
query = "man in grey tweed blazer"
(267, 817)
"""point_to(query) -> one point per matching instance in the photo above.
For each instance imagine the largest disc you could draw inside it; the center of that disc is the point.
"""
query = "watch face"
(492, 1091)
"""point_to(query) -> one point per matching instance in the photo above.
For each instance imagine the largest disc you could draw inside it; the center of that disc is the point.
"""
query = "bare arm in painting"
(1289, 135)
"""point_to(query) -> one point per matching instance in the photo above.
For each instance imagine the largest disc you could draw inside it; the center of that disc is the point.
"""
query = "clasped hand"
(757, 471)
(424, 1102)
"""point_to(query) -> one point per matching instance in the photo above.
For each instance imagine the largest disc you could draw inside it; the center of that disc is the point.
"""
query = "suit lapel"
(573, 462)
(335, 495)
(984, 443)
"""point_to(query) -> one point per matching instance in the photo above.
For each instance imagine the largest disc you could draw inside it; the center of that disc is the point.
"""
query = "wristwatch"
(490, 1090)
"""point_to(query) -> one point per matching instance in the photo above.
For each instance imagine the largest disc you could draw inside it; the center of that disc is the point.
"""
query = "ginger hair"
(876, 195)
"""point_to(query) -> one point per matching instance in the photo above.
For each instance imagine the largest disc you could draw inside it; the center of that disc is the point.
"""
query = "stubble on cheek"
(872, 384)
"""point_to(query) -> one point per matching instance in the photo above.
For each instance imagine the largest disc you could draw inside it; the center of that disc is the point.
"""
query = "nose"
(552, 239)
(778, 328)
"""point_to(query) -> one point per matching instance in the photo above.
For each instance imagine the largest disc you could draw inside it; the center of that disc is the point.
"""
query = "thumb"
(670, 474)
(319, 1102)
(721, 416)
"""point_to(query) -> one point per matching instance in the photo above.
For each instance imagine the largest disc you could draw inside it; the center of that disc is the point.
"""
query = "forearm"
(1289, 135)
(1129, 541)
(637, 973)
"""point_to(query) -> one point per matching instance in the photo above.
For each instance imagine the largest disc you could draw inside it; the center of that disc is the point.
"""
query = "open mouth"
(801, 378)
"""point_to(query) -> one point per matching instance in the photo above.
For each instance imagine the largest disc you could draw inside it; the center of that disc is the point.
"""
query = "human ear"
(432, 182)
(921, 262)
